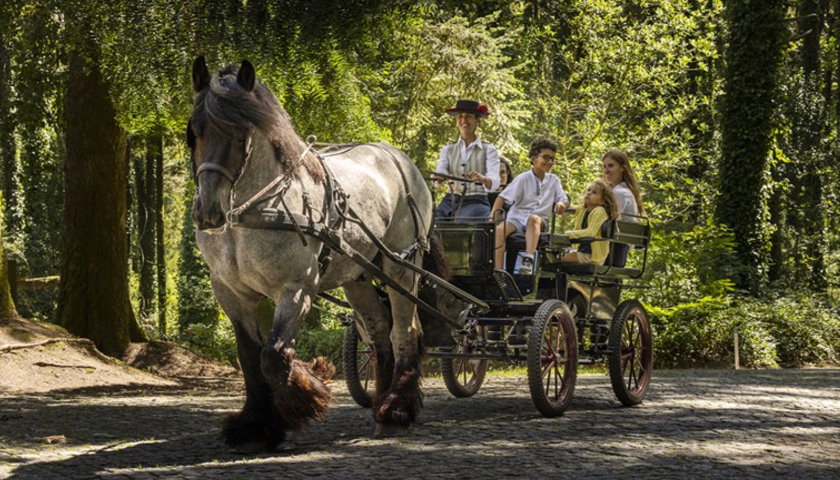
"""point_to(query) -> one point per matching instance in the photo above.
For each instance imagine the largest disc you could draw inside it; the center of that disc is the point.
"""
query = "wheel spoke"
(554, 372)
(365, 366)
(633, 377)
(547, 365)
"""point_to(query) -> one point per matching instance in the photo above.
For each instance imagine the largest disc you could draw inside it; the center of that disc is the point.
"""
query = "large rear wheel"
(359, 363)
(552, 358)
(630, 353)
(463, 376)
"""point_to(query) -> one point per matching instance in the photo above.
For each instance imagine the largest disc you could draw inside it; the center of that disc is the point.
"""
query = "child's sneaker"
(527, 266)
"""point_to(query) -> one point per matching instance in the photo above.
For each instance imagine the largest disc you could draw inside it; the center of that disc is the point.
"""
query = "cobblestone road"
(694, 423)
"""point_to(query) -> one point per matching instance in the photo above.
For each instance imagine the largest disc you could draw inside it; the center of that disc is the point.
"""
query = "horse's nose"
(207, 218)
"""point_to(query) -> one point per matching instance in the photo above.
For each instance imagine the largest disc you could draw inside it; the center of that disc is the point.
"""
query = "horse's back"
(380, 170)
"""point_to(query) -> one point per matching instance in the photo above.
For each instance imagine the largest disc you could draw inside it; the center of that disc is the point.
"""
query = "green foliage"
(313, 342)
(807, 326)
(686, 262)
(431, 64)
(701, 334)
(196, 304)
(792, 331)
(215, 340)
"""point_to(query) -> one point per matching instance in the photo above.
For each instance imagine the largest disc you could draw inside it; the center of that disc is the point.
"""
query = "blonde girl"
(599, 205)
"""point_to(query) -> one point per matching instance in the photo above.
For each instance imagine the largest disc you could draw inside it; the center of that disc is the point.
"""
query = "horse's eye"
(191, 137)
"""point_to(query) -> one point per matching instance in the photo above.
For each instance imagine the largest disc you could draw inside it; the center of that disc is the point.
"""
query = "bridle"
(215, 167)
(281, 183)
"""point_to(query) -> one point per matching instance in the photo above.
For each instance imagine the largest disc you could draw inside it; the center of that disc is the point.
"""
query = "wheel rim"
(554, 360)
(467, 371)
(635, 354)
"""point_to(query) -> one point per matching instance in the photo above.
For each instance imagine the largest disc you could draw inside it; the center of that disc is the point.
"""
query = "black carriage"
(563, 315)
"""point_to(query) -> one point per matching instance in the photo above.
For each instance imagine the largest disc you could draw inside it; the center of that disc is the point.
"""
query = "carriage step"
(507, 285)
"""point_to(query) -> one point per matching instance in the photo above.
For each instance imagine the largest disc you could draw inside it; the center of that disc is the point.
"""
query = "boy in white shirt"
(533, 195)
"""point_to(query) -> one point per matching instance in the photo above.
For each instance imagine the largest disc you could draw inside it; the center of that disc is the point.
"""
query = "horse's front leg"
(299, 389)
(255, 426)
(400, 405)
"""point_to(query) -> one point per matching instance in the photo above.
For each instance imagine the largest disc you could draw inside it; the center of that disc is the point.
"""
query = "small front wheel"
(463, 376)
(359, 363)
(552, 358)
(631, 353)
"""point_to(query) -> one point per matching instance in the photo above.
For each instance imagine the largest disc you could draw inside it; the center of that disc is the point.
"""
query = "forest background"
(729, 114)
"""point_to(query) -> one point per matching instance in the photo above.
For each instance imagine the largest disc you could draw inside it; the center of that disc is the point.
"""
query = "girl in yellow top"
(599, 205)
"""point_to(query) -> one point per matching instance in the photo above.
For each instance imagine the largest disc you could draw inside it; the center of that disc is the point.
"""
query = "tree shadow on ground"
(497, 433)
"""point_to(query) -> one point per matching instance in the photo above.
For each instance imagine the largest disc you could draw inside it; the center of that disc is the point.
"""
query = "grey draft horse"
(243, 142)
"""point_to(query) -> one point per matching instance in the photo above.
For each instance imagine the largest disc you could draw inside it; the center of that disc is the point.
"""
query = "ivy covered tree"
(757, 32)
(7, 305)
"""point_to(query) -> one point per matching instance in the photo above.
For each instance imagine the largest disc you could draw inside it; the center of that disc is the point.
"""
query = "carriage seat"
(516, 243)
(594, 269)
(622, 236)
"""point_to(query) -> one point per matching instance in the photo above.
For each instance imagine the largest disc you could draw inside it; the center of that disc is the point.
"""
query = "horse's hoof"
(382, 431)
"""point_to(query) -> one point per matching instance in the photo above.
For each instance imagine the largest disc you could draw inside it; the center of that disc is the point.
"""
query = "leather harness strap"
(336, 211)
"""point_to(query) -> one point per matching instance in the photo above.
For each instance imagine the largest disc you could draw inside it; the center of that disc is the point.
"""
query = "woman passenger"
(619, 174)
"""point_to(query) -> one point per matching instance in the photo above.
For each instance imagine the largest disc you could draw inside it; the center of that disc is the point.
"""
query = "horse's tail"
(435, 260)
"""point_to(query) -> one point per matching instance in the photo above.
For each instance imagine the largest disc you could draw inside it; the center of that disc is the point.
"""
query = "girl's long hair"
(610, 203)
(629, 176)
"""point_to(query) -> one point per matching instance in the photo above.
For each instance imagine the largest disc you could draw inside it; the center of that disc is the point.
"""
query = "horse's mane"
(225, 106)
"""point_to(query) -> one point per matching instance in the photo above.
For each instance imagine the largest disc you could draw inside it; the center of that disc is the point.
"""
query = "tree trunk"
(161, 258)
(812, 21)
(93, 295)
(756, 36)
(146, 228)
(7, 306)
(8, 156)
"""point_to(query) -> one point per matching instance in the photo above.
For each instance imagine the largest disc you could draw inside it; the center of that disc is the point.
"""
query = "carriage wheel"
(631, 353)
(552, 358)
(463, 376)
(359, 364)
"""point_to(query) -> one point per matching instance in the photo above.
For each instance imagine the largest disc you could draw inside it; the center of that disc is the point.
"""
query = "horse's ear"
(246, 77)
(200, 74)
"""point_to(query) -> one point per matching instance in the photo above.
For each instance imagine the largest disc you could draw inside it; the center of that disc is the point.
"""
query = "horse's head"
(219, 136)
(230, 111)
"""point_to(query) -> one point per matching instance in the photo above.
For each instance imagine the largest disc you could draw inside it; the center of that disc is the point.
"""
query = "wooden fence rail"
(17, 283)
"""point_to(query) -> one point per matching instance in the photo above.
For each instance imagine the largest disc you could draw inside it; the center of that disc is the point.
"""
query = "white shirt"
(626, 202)
(530, 195)
(491, 155)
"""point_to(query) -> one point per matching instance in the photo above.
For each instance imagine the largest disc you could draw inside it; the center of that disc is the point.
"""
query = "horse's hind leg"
(299, 390)
(402, 402)
(372, 309)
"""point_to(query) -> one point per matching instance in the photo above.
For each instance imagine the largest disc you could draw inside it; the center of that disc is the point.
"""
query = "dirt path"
(695, 424)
